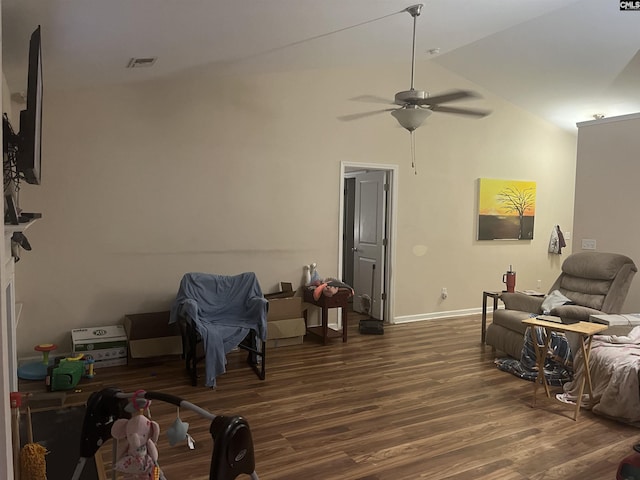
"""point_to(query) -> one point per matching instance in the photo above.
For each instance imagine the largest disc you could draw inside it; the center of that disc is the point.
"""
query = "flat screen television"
(30, 135)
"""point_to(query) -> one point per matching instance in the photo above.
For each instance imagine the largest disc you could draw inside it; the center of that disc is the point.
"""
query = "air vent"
(139, 62)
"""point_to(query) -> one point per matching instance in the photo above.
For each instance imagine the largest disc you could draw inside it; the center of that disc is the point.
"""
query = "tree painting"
(506, 209)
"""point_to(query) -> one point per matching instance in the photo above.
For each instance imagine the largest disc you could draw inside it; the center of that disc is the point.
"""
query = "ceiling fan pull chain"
(413, 152)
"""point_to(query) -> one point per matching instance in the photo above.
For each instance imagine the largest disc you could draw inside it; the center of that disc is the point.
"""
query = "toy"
(179, 432)
(37, 370)
(329, 287)
(233, 451)
(65, 373)
(137, 454)
(90, 369)
(33, 465)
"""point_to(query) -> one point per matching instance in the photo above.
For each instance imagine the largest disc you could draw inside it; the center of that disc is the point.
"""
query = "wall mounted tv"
(30, 135)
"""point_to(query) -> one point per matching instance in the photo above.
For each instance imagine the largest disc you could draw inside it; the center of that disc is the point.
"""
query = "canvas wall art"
(506, 209)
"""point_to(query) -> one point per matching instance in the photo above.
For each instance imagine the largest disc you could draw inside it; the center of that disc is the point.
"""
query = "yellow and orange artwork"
(506, 209)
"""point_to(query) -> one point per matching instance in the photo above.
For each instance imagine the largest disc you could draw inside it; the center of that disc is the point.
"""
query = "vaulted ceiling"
(563, 60)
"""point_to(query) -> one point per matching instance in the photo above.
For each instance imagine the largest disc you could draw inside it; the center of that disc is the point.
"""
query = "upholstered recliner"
(594, 282)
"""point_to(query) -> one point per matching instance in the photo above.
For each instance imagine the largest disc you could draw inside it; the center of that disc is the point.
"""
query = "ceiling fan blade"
(460, 111)
(356, 116)
(448, 97)
(372, 99)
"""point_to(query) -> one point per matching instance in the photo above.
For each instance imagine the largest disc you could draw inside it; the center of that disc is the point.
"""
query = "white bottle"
(307, 275)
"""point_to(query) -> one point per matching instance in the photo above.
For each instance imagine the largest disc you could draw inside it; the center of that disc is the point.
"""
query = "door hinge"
(386, 187)
(383, 296)
(384, 242)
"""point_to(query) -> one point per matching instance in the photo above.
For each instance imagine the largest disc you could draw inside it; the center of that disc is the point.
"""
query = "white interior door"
(369, 240)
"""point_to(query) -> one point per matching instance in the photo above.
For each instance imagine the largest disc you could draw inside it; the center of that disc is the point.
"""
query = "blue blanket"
(223, 309)
(558, 363)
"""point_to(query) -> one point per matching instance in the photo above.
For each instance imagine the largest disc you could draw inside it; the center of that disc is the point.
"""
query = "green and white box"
(107, 345)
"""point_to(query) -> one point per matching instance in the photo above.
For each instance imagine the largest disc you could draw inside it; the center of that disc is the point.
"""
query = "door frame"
(390, 222)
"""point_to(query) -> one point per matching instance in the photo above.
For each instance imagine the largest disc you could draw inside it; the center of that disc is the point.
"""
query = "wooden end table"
(586, 330)
(341, 300)
(495, 295)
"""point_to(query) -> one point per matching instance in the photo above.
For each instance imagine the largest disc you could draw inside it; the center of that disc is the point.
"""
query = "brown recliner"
(595, 282)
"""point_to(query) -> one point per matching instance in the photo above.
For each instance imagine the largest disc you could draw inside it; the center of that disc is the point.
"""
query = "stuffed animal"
(329, 287)
(137, 454)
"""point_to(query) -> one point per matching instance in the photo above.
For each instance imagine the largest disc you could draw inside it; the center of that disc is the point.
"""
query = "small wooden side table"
(495, 295)
(586, 330)
(340, 299)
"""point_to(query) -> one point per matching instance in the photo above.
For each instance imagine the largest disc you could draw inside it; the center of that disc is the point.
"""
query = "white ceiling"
(564, 60)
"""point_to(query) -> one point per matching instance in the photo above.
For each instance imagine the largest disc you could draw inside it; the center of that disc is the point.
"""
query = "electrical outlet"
(444, 294)
(588, 244)
(539, 284)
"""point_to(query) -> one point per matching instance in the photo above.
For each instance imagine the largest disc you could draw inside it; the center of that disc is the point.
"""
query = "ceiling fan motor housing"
(410, 97)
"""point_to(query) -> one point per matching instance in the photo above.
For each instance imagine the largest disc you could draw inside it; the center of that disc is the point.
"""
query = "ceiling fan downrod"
(414, 11)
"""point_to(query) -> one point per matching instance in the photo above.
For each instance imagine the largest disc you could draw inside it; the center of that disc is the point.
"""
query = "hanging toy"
(178, 432)
(137, 453)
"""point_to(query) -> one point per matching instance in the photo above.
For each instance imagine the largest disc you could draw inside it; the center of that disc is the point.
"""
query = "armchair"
(594, 282)
(222, 312)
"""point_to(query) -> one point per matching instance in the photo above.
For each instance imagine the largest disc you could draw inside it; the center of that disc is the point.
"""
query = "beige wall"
(607, 194)
(143, 183)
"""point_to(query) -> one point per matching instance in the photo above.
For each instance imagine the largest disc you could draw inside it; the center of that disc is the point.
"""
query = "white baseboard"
(52, 355)
(438, 315)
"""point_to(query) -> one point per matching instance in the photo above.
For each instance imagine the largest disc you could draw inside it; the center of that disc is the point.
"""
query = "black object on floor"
(59, 431)
(371, 326)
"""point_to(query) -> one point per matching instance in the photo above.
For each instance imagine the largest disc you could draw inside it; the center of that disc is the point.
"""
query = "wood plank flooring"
(422, 401)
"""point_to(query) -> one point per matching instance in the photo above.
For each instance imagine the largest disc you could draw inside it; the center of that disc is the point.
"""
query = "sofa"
(593, 282)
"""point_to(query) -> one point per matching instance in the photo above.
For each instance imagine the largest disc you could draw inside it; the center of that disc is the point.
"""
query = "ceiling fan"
(416, 105)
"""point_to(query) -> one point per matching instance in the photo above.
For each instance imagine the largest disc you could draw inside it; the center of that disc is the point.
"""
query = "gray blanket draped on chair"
(223, 309)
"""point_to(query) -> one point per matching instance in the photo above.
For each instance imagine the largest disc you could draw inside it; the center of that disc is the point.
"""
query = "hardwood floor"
(424, 400)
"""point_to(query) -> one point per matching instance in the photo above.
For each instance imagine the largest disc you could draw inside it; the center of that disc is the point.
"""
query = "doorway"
(367, 236)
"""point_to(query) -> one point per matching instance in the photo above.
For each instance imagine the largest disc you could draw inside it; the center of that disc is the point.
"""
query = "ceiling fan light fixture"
(411, 117)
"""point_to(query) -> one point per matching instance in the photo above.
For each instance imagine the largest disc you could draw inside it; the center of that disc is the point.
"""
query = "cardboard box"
(107, 345)
(283, 308)
(289, 331)
(285, 342)
(286, 290)
(285, 325)
(113, 362)
(150, 335)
